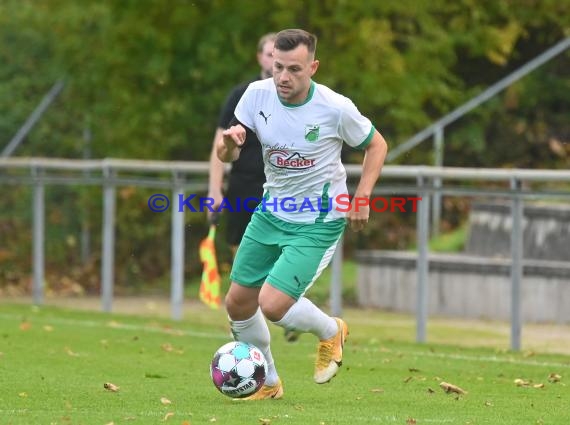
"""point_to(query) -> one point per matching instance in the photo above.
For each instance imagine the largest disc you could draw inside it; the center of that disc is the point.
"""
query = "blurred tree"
(147, 78)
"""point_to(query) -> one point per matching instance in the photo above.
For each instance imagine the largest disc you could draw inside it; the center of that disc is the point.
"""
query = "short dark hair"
(289, 39)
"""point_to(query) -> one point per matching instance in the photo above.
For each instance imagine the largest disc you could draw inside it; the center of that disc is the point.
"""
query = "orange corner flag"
(210, 285)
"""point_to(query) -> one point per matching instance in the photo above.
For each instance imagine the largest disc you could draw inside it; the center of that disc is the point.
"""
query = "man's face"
(265, 59)
(292, 72)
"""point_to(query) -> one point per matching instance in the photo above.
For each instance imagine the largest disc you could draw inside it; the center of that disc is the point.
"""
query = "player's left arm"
(375, 154)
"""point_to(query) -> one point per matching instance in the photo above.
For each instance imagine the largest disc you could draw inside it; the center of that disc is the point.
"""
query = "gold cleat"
(329, 354)
(267, 392)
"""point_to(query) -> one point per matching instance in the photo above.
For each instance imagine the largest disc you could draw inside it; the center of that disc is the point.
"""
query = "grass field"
(54, 363)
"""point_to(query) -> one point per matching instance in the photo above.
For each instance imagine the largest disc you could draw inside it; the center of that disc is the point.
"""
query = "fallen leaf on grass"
(213, 419)
(25, 325)
(411, 421)
(553, 377)
(450, 388)
(165, 401)
(111, 387)
(168, 416)
(71, 353)
(408, 379)
(538, 386)
(113, 324)
(170, 349)
(264, 421)
(413, 369)
(521, 382)
(185, 423)
(377, 390)
(154, 375)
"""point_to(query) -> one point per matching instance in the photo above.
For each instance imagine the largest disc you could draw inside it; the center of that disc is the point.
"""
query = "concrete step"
(462, 285)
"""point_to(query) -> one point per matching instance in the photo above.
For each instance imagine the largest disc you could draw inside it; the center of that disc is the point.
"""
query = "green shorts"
(289, 256)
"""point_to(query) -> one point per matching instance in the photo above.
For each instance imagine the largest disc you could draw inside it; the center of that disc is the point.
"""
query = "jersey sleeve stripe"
(366, 141)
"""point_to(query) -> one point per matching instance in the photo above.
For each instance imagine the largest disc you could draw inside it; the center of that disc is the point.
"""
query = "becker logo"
(294, 161)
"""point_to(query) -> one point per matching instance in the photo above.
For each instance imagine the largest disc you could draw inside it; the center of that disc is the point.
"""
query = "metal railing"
(33, 119)
(437, 129)
(182, 176)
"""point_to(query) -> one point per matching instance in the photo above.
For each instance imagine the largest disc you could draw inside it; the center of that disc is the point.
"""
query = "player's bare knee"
(240, 304)
(234, 307)
(230, 305)
(274, 303)
(271, 312)
(272, 309)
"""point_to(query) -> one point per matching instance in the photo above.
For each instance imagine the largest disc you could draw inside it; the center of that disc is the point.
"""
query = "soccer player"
(301, 126)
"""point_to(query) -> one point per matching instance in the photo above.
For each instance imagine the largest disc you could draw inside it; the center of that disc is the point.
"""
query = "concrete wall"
(546, 231)
(464, 286)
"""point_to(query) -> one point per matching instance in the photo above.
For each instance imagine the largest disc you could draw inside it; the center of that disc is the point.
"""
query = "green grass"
(54, 362)
(453, 241)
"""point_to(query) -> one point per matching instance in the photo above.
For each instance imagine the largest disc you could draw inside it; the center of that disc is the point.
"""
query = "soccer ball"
(238, 369)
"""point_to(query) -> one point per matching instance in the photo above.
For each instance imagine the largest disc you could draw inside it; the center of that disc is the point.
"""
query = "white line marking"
(113, 324)
(488, 359)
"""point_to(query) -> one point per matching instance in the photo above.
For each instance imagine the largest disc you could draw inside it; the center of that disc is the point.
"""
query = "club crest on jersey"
(282, 159)
(311, 132)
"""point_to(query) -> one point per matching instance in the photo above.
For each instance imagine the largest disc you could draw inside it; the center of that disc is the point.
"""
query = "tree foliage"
(146, 78)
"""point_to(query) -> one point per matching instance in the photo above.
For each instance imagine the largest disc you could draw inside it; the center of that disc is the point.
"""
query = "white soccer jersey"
(301, 148)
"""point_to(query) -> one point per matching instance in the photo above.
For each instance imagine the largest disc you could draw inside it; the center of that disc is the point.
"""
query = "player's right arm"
(229, 145)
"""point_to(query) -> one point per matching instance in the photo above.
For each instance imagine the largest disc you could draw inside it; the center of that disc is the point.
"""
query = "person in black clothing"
(246, 176)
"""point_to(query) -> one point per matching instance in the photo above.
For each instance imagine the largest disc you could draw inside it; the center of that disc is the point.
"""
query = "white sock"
(304, 316)
(255, 331)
